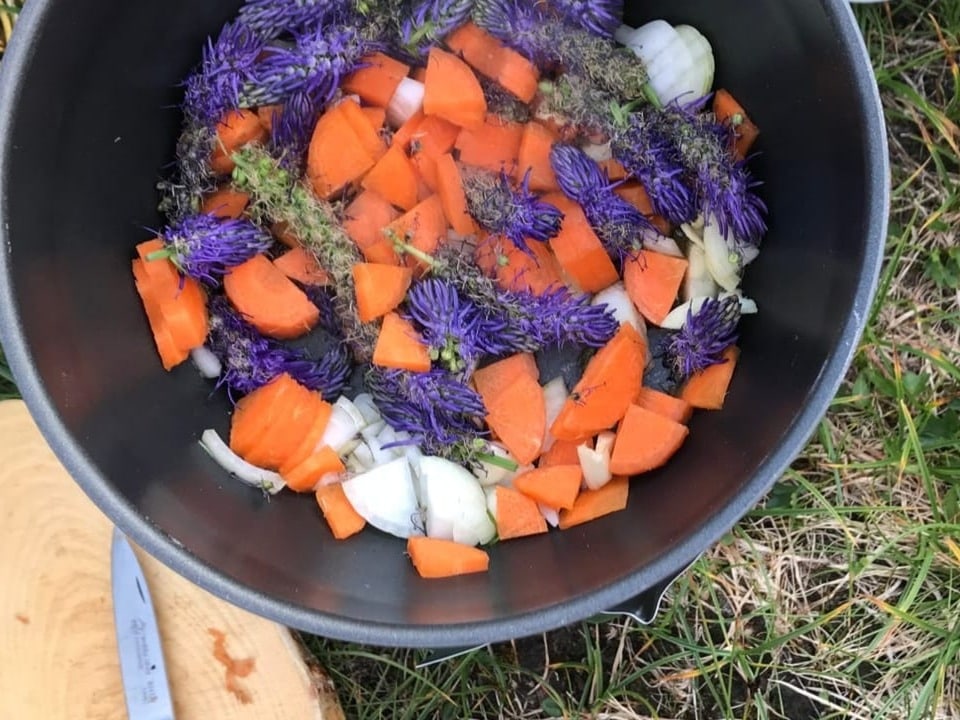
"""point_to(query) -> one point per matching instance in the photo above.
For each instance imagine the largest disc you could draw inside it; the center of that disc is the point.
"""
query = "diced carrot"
(517, 515)
(342, 519)
(291, 423)
(731, 112)
(405, 133)
(311, 441)
(534, 155)
(225, 203)
(517, 75)
(269, 300)
(336, 156)
(393, 178)
(301, 265)
(399, 346)
(268, 114)
(282, 232)
(677, 409)
(579, 250)
(376, 116)
(615, 171)
(562, 452)
(170, 353)
(493, 145)
(305, 476)
(426, 173)
(652, 281)
(364, 220)
(707, 389)
(452, 91)
(480, 49)
(608, 385)
(424, 227)
(497, 377)
(519, 272)
(645, 441)
(635, 194)
(255, 412)
(436, 558)
(369, 136)
(556, 486)
(377, 79)
(452, 197)
(518, 417)
(434, 136)
(161, 271)
(591, 504)
(236, 129)
(379, 288)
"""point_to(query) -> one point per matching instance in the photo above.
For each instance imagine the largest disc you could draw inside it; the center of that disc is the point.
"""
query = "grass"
(838, 597)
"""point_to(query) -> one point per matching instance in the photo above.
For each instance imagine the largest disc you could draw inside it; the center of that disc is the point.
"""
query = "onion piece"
(549, 514)
(344, 425)
(385, 498)
(249, 474)
(618, 300)
(677, 318)
(722, 262)
(456, 506)
(367, 408)
(662, 244)
(702, 53)
(207, 363)
(673, 73)
(698, 282)
(598, 152)
(595, 462)
(405, 103)
(554, 397)
(363, 454)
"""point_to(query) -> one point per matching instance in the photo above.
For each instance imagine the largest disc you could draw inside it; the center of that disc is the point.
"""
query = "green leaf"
(943, 267)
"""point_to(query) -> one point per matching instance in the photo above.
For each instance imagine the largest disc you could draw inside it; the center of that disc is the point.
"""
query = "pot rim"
(13, 74)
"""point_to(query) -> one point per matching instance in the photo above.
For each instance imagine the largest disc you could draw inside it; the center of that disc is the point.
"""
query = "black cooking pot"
(88, 120)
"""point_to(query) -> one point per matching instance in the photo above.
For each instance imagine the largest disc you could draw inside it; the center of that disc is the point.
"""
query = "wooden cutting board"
(58, 657)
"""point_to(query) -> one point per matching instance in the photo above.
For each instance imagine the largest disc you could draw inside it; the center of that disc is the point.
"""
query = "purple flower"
(704, 336)
(314, 64)
(439, 411)
(649, 154)
(272, 18)
(515, 213)
(251, 360)
(617, 223)
(601, 17)
(458, 332)
(430, 21)
(205, 247)
(226, 68)
(559, 317)
(291, 131)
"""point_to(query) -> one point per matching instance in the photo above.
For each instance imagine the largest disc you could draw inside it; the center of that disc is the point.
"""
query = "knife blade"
(144, 674)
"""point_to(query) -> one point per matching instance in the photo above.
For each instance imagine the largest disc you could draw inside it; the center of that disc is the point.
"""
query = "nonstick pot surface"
(87, 123)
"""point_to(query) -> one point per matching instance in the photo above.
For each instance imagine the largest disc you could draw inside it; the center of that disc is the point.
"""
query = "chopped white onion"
(370, 432)
(405, 103)
(346, 449)
(368, 409)
(226, 458)
(344, 425)
(385, 498)
(662, 244)
(722, 262)
(456, 506)
(677, 318)
(330, 478)
(702, 54)
(595, 462)
(492, 474)
(616, 298)
(694, 233)
(698, 282)
(549, 514)
(208, 364)
(363, 455)
(490, 493)
(554, 397)
(598, 152)
(673, 73)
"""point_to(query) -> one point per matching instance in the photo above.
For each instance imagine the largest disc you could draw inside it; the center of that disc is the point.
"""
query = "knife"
(142, 669)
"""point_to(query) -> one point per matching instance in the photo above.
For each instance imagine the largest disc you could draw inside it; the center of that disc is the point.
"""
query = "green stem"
(497, 461)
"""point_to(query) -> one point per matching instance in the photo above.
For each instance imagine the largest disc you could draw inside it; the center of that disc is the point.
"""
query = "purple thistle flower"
(430, 21)
(458, 332)
(618, 223)
(291, 131)
(601, 17)
(323, 298)
(314, 64)
(514, 213)
(559, 317)
(205, 247)
(272, 18)
(702, 340)
(226, 68)
(648, 153)
(439, 411)
(724, 186)
(251, 360)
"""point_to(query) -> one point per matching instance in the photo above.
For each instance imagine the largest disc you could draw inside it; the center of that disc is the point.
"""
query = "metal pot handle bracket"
(642, 608)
